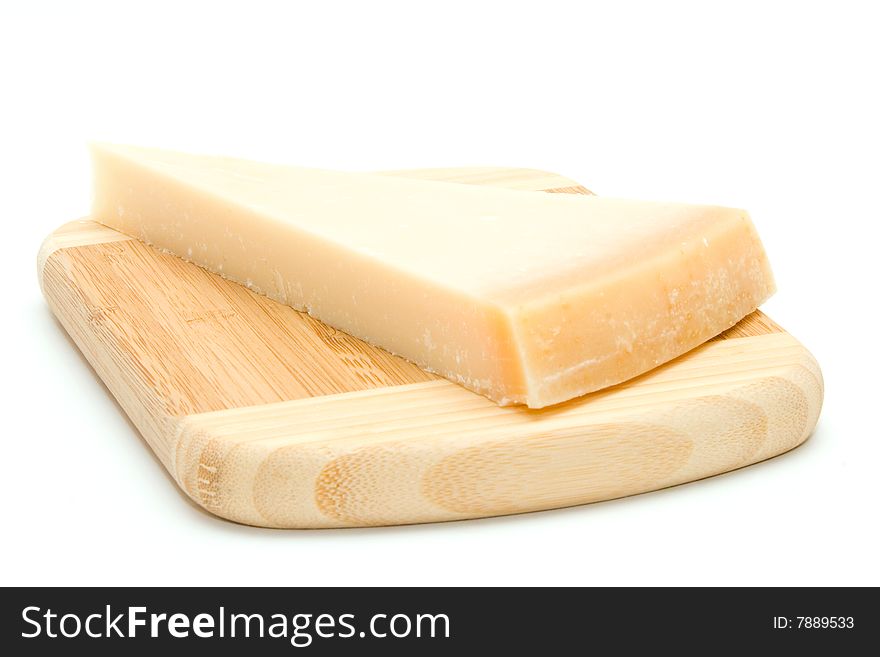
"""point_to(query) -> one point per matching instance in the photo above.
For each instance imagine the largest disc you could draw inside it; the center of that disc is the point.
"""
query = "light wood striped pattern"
(268, 417)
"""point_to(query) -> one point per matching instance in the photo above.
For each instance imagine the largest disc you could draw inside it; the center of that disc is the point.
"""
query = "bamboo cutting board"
(268, 417)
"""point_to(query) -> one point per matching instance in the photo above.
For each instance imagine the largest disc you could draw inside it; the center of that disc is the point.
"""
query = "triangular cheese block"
(527, 298)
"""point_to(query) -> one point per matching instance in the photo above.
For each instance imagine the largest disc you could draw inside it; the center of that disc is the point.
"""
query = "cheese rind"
(525, 298)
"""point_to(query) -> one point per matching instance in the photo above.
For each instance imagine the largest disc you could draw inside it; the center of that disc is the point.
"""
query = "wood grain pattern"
(268, 417)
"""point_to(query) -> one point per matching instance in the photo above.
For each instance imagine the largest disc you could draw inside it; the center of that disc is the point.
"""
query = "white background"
(771, 106)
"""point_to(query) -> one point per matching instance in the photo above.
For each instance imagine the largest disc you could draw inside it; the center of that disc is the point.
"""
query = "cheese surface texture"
(527, 298)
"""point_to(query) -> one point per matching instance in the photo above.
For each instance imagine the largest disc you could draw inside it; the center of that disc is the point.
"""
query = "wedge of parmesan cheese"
(524, 297)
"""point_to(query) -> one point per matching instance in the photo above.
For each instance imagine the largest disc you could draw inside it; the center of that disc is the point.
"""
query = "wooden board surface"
(266, 416)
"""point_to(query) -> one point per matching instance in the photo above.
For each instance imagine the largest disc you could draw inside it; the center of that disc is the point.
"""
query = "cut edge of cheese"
(559, 335)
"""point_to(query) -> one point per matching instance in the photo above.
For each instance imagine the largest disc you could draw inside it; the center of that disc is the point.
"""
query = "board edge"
(226, 474)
